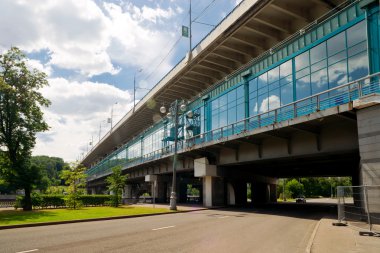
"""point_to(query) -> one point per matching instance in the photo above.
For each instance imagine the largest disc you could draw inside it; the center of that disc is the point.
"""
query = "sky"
(91, 51)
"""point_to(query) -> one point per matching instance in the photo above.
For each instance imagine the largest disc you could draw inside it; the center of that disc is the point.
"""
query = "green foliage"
(59, 201)
(116, 182)
(313, 187)
(21, 118)
(75, 178)
(12, 217)
(295, 188)
(95, 200)
(51, 169)
(56, 190)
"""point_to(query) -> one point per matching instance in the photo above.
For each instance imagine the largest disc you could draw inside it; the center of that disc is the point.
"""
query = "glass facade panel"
(319, 81)
(358, 66)
(318, 53)
(287, 94)
(302, 60)
(337, 74)
(303, 87)
(336, 43)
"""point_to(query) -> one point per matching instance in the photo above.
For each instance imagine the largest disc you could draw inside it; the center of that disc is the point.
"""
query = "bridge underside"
(326, 144)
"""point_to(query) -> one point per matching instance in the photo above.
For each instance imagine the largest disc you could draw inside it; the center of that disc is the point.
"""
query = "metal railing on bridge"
(336, 96)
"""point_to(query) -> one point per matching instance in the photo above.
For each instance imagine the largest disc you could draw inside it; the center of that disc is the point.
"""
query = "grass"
(14, 217)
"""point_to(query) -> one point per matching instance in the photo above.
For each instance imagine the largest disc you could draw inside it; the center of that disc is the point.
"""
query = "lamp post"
(134, 89)
(111, 118)
(174, 112)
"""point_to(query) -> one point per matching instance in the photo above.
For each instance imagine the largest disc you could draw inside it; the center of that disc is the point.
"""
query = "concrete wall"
(369, 145)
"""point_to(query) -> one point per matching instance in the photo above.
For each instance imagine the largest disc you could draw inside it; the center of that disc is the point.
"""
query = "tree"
(295, 188)
(20, 119)
(75, 178)
(116, 182)
(51, 169)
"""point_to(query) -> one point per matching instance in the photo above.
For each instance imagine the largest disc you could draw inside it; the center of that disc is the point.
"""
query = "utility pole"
(134, 89)
(190, 46)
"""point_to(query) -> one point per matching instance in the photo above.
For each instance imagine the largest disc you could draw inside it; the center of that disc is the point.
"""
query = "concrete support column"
(127, 191)
(213, 191)
(207, 191)
(213, 186)
(273, 193)
(240, 190)
(369, 145)
(260, 193)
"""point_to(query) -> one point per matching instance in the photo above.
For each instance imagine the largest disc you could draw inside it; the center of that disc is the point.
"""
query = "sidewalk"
(181, 207)
(342, 239)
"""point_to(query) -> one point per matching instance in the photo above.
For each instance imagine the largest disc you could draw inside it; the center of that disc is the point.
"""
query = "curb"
(96, 219)
(311, 240)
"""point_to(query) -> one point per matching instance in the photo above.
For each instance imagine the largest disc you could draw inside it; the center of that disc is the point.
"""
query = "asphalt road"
(270, 229)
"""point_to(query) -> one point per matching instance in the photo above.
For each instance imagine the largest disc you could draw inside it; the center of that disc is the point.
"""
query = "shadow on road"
(314, 211)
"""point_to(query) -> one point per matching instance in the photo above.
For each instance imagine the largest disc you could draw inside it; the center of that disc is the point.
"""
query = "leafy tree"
(20, 119)
(75, 178)
(116, 182)
(51, 169)
(295, 188)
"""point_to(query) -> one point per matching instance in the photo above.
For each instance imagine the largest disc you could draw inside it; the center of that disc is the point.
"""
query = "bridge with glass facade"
(279, 88)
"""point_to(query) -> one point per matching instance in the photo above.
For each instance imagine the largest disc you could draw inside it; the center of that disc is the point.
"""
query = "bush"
(59, 201)
(19, 202)
(95, 200)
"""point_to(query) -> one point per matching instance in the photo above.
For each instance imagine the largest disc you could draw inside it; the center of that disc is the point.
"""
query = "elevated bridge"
(278, 89)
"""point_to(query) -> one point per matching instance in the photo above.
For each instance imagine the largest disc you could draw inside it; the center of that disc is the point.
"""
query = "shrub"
(57, 201)
(95, 200)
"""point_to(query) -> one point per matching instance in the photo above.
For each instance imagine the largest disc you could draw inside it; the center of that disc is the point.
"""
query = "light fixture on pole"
(177, 108)
(110, 120)
(134, 89)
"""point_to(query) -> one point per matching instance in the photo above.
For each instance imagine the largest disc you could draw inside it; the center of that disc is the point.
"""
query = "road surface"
(220, 230)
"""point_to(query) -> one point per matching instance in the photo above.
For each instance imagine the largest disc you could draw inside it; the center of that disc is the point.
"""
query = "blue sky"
(91, 50)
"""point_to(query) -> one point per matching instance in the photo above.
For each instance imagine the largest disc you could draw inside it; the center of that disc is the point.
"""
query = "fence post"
(340, 194)
(367, 208)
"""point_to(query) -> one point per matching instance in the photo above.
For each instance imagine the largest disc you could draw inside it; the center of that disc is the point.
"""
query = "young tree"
(295, 188)
(116, 182)
(75, 178)
(20, 119)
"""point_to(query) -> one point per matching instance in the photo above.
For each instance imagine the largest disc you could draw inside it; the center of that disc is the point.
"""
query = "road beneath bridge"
(279, 228)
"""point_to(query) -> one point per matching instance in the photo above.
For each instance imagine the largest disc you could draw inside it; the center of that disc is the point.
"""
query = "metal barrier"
(359, 207)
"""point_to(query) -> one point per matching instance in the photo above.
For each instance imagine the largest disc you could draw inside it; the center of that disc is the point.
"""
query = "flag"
(185, 31)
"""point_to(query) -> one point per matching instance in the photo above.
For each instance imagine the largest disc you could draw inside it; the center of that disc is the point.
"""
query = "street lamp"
(134, 89)
(176, 108)
(111, 118)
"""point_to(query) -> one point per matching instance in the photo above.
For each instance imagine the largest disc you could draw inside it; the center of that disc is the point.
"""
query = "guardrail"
(339, 95)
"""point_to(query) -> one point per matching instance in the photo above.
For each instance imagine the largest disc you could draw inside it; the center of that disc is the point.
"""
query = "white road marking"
(222, 217)
(154, 229)
(26, 251)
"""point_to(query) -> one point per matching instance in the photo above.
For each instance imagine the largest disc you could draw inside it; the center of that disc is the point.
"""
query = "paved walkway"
(181, 207)
(342, 239)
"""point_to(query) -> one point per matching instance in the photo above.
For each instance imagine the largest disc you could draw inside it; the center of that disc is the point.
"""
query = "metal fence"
(359, 207)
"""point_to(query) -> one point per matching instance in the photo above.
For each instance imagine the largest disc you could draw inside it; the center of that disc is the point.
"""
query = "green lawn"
(13, 217)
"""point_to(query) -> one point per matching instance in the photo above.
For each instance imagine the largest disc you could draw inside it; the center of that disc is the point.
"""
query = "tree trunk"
(27, 200)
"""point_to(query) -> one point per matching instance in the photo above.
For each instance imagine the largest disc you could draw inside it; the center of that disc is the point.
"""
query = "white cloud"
(270, 103)
(77, 110)
(35, 64)
(88, 38)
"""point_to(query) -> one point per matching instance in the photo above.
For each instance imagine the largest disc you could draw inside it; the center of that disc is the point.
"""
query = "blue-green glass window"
(252, 86)
(286, 83)
(357, 51)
